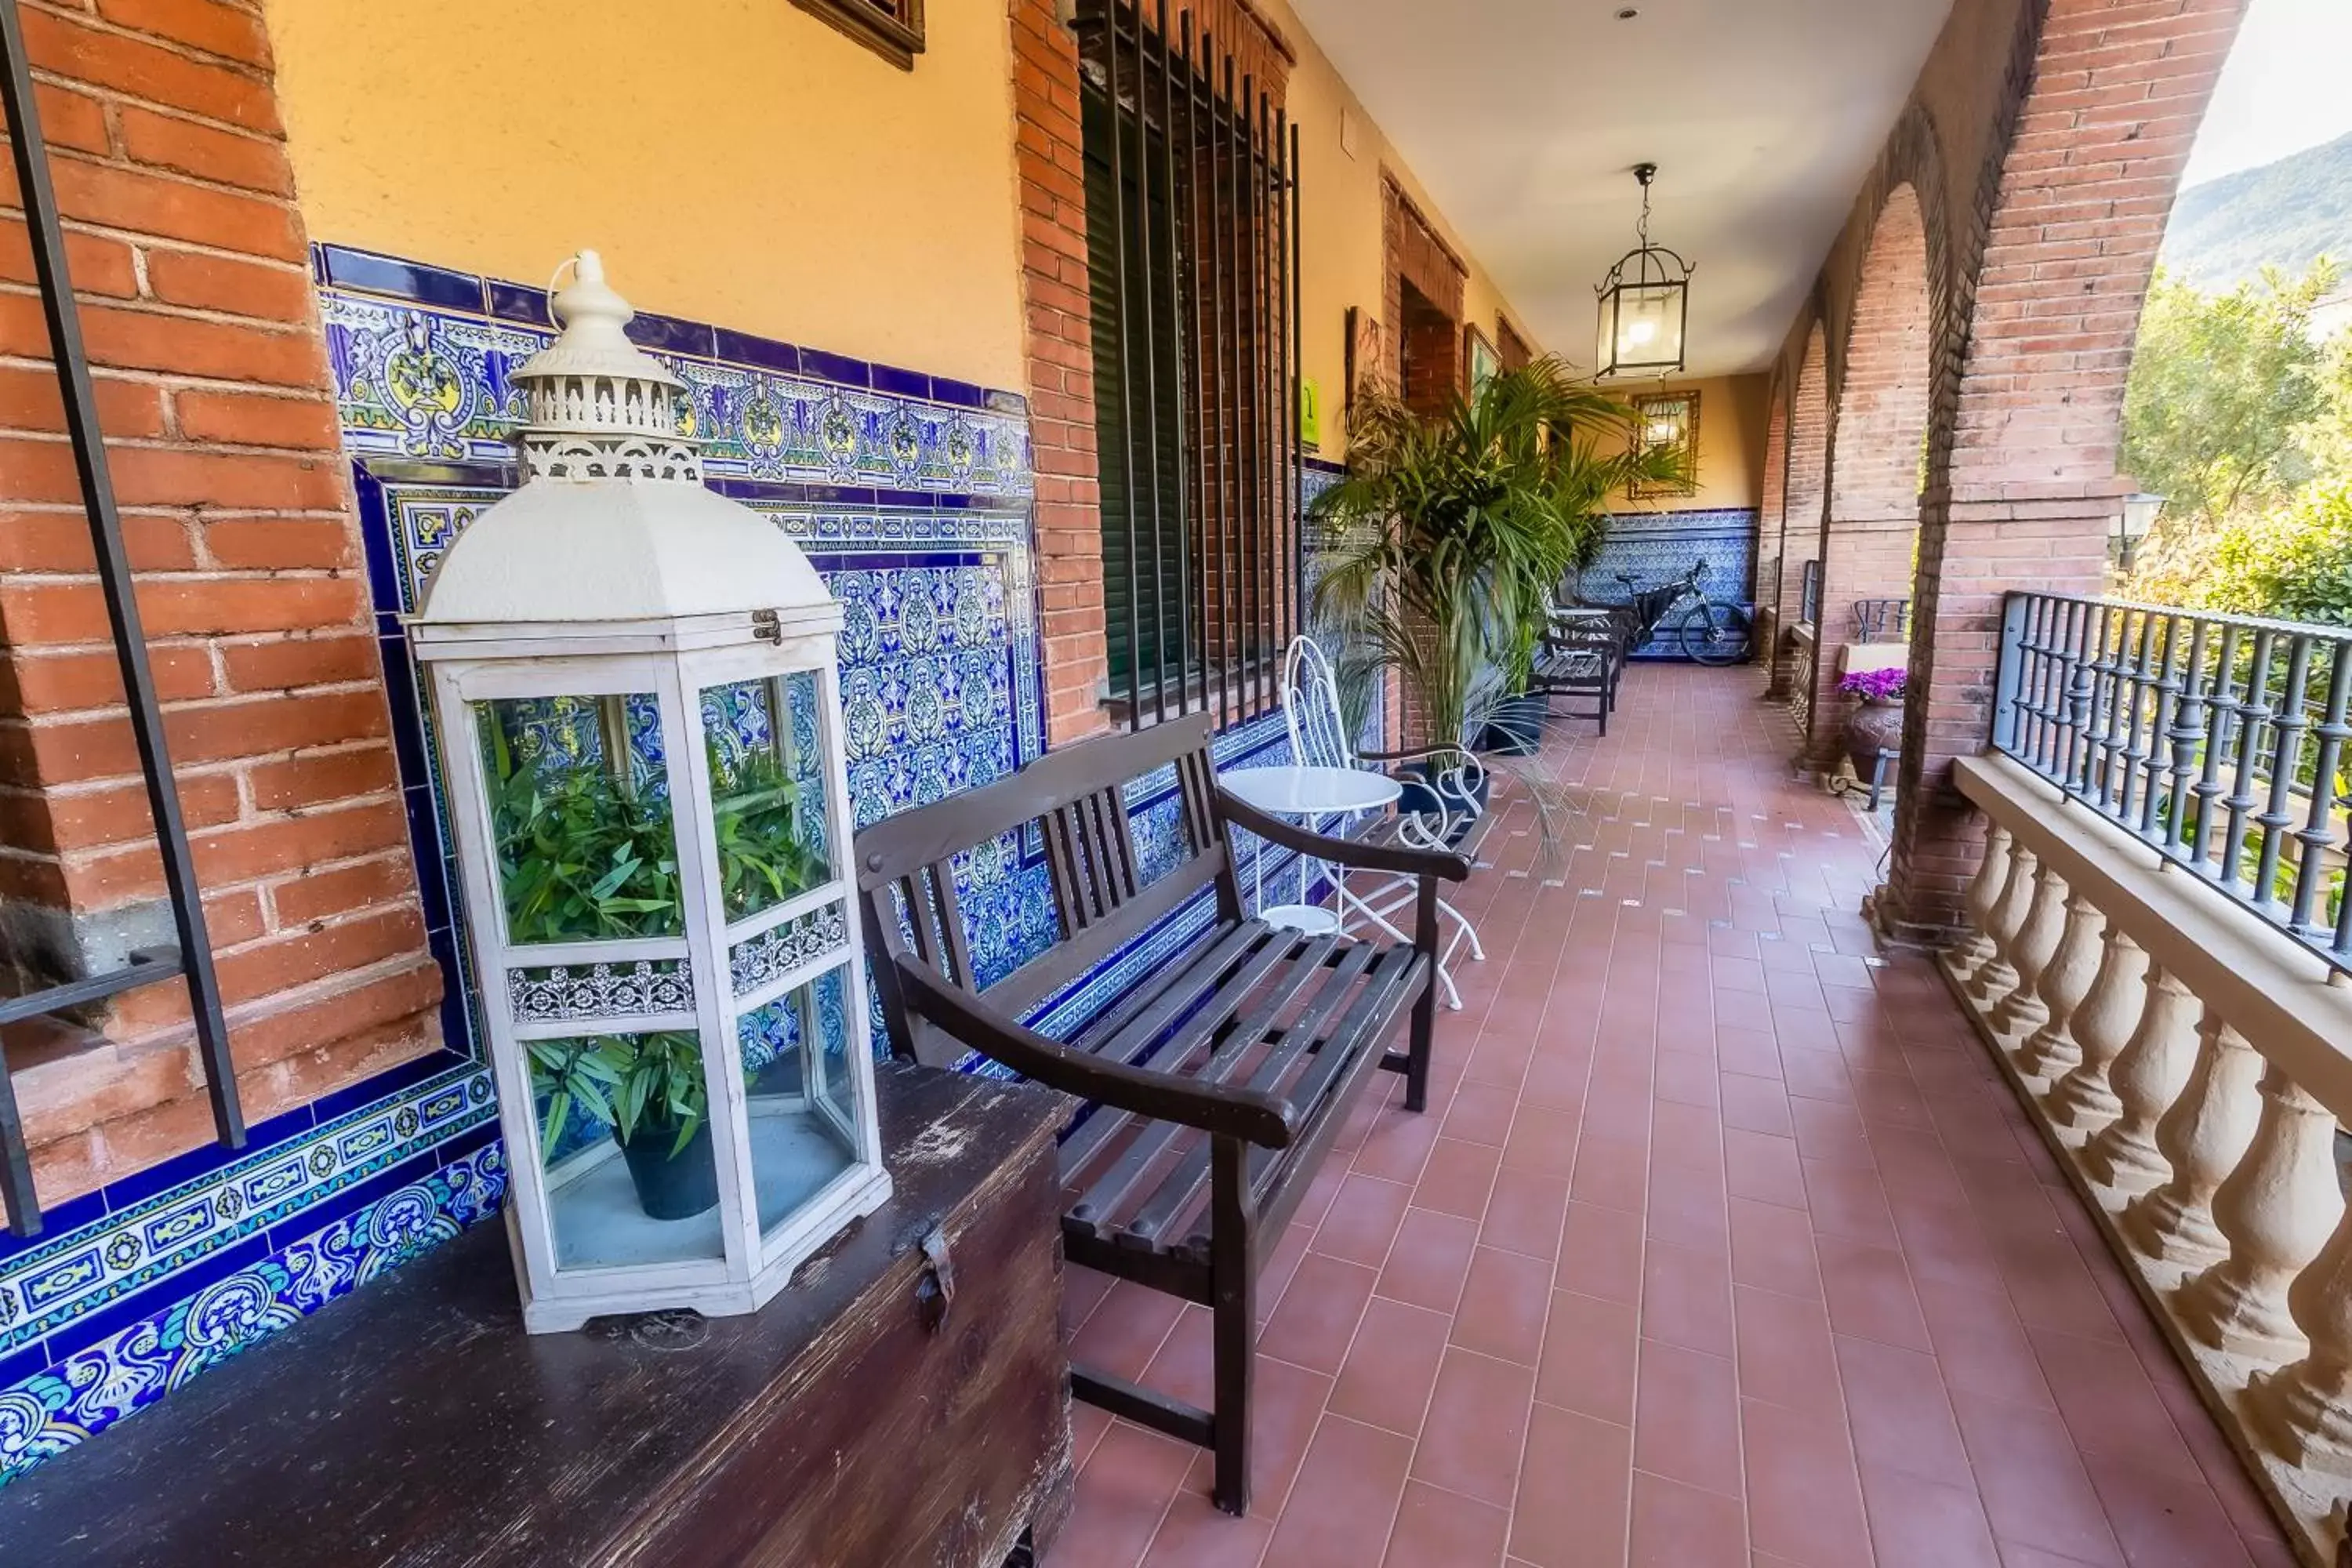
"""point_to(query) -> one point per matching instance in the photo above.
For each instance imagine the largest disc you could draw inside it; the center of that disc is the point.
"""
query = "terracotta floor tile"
(1525, 1213)
(2036, 1491)
(1477, 1423)
(1504, 1304)
(1686, 1419)
(1901, 1411)
(1916, 1523)
(1436, 1526)
(1316, 1320)
(1757, 1165)
(1196, 1534)
(1286, 1408)
(1687, 1298)
(1870, 1294)
(1392, 1366)
(1398, 1146)
(1611, 1173)
(1676, 1526)
(1588, 1363)
(1126, 1329)
(1344, 1500)
(1126, 1488)
(2109, 1404)
(1688, 1078)
(1574, 1493)
(1481, 1113)
(1804, 1496)
(1458, 1178)
(1756, 1105)
(1601, 1253)
(1785, 1353)
(1363, 1220)
(1772, 1248)
(2162, 1523)
(1430, 1260)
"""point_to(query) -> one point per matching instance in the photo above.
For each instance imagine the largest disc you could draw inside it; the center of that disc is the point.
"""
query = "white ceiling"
(1524, 118)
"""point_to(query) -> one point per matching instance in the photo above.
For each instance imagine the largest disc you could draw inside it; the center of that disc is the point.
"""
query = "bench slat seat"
(1217, 1083)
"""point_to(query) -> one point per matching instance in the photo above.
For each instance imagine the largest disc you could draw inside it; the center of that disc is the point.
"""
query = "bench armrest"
(1443, 864)
(1260, 1118)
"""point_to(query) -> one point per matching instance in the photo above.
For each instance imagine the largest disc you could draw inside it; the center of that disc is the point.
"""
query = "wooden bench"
(1217, 1083)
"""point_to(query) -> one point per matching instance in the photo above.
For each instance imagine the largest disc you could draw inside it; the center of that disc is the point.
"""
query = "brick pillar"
(1806, 492)
(2117, 90)
(190, 264)
(1050, 157)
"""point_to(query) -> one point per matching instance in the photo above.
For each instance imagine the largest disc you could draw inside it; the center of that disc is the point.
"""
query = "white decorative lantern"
(637, 697)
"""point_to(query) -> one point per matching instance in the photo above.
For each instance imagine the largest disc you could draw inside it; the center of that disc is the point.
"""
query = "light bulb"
(1639, 332)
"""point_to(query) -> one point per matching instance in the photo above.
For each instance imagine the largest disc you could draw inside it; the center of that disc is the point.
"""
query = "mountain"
(2283, 214)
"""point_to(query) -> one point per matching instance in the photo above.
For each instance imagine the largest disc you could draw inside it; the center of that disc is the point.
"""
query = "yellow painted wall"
(1341, 262)
(1732, 414)
(736, 161)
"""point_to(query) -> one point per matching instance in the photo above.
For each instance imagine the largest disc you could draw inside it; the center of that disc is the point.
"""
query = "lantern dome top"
(613, 521)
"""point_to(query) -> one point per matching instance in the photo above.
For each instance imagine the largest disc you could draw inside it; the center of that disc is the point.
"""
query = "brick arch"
(1805, 490)
(2106, 99)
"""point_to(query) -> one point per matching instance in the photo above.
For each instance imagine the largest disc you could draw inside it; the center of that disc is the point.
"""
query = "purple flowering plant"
(1875, 684)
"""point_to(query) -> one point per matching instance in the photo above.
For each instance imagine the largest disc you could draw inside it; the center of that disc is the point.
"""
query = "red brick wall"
(189, 258)
(1806, 493)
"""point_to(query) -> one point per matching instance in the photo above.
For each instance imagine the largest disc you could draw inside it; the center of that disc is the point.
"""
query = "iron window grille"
(891, 28)
(1193, 238)
(191, 957)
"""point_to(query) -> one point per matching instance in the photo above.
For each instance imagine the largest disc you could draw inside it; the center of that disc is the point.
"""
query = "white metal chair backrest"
(1310, 708)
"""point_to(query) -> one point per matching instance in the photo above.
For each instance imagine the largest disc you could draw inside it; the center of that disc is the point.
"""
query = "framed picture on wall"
(1480, 361)
(1668, 421)
(1367, 350)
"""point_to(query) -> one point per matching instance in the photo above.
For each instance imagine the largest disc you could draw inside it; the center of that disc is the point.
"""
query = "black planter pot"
(669, 1188)
(1420, 796)
(1516, 728)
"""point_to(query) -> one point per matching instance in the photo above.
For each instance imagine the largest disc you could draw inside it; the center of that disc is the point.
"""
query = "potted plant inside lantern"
(1875, 728)
(1453, 535)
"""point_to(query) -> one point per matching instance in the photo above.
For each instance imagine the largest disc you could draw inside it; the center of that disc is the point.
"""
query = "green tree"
(2292, 562)
(2223, 391)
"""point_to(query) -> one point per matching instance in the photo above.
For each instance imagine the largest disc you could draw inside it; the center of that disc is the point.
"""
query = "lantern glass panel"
(625, 1149)
(580, 815)
(1649, 326)
(767, 794)
(796, 1074)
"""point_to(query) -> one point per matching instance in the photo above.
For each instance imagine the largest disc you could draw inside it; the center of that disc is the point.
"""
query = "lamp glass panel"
(802, 1123)
(1649, 324)
(767, 784)
(613, 1203)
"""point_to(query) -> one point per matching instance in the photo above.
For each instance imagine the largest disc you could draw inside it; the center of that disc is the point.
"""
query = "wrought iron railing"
(1808, 595)
(2218, 740)
(1882, 620)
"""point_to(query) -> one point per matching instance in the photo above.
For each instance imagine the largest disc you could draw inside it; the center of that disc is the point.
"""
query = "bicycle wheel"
(1711, 634)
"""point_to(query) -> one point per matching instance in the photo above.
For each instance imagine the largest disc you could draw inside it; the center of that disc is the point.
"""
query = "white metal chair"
(1443, 806)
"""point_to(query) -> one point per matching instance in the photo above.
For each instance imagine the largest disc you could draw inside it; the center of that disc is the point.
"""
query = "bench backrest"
(1076, 799)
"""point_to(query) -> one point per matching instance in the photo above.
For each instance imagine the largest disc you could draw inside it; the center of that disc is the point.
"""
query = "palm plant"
(1451, 534)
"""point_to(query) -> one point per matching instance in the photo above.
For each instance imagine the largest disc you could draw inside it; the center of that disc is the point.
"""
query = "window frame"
(898, 36)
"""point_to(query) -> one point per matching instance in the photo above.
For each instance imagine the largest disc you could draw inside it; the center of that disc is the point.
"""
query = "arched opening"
(1772, 524)
(1878, 469)
(1804, 489)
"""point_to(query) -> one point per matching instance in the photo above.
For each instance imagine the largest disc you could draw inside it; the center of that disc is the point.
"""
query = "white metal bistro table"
(1290, 790)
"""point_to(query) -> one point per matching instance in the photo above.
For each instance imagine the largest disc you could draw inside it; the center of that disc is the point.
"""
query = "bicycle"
(1710, 632)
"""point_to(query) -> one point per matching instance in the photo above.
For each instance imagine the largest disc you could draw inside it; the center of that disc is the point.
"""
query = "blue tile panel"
(911, 494)
(1657, 546)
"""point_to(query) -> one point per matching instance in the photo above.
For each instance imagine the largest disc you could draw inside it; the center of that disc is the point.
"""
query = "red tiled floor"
(1721, 1243)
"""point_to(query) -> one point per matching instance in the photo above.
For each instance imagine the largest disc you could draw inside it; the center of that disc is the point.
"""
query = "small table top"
(1289, 790)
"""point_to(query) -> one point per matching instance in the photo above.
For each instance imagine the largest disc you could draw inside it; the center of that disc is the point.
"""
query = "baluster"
(2287, 723)
(2254, 710)
(2276, 1208)
(2303, 1412)
(2187, 736)
(2050, 1051)
(1984, 891)
(2203, 1137)
(2310, 862)
(2145, 674)
(2081, 697)
(2153, 798)
(2084, 1100)
(1996, 977)
(2147, 1079)
(2220, 705)
(2023, 1011)
(2057, 691)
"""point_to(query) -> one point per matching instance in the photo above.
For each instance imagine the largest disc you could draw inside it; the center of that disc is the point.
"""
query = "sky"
(2282, 91)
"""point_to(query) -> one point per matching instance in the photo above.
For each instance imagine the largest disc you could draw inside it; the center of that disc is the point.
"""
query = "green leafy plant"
(621, 1083)
(1453, 534)
(579, 857)
(764, 857)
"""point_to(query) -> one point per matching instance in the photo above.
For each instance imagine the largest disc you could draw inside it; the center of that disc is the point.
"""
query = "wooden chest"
(866, 1418)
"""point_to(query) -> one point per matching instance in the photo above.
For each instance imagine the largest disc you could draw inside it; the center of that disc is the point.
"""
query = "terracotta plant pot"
(1873, 728)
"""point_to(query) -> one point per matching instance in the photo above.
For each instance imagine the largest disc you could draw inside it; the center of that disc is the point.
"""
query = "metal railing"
(1808, 595)
(192, 955)
(1882, 620)
(2218, 740)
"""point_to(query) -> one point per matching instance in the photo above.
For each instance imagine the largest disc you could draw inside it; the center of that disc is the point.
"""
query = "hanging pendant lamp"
(1644, 303)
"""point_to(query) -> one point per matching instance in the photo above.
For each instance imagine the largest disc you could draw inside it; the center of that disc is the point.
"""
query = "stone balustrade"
(2192, 1066)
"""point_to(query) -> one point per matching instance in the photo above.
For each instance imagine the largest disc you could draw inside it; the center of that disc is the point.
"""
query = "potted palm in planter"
(1453, 534)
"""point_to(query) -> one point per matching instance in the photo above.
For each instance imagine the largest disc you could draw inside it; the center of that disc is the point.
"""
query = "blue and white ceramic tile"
(1657, 546)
